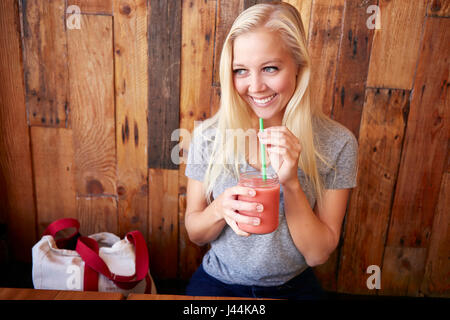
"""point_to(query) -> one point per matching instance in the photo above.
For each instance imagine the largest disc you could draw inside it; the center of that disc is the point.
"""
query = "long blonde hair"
(235, 114)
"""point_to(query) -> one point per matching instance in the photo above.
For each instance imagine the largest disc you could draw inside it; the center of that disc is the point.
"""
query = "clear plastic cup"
(268, 194)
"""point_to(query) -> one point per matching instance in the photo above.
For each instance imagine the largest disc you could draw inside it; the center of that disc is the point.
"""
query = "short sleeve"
(197, 160)
(346, 166)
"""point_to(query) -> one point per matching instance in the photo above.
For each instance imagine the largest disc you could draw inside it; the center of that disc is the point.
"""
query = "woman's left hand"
(284, 151)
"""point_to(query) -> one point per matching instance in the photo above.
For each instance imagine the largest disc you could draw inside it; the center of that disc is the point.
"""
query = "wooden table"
(139, 296)
(35, 294)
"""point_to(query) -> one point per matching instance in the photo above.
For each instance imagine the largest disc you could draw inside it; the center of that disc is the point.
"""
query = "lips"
(263, 101)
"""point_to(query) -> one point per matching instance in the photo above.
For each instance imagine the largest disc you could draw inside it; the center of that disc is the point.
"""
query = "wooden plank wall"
(87, 117)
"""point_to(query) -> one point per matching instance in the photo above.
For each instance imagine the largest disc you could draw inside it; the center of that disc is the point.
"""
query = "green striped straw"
(263, 151)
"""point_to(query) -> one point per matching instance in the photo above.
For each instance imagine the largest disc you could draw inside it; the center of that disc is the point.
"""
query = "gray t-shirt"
(271, 259)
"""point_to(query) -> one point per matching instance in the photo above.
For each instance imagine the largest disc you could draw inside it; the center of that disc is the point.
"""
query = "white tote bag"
(100, 262)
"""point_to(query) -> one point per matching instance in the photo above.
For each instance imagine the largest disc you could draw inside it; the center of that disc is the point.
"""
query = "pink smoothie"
(268, 194)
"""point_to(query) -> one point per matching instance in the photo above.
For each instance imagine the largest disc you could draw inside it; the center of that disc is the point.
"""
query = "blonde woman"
(264, 73)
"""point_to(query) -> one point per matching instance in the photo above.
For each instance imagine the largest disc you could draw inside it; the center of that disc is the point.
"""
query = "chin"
(265, 115)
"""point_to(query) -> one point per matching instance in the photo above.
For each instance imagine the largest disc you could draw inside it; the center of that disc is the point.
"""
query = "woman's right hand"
(228, 205)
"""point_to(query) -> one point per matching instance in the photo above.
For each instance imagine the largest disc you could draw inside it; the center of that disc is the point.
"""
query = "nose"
(256, 84)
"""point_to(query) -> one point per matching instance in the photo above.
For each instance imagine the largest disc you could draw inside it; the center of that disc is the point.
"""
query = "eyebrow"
(267, 62)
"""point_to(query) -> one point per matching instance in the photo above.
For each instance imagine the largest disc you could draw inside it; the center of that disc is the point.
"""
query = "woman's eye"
(239, 71)
(270, 69)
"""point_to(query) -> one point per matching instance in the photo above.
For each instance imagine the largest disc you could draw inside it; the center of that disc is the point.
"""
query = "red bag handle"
(60, 225)
(87, 248)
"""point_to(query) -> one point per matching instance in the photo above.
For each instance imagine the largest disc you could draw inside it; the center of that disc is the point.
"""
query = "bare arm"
(204, 222)
(315, 233)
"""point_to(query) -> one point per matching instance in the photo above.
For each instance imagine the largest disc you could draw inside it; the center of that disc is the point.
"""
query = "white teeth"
(263, 101)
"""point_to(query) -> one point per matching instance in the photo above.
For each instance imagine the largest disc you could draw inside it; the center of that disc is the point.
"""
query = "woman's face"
(264, 74)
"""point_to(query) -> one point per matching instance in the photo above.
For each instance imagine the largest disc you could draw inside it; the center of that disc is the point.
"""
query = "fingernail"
(259, 208)
(252, 193)
(256, 222)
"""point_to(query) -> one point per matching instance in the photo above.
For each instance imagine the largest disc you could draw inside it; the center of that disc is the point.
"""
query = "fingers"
(239, 191)
(281, 141)
(278, 136)
(244, 205)
(240, 218)
(230, 205)
(272, 139)
(233, 225)
(279, 150)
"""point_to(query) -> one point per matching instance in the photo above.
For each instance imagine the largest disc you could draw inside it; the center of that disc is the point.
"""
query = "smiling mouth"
(263, 101)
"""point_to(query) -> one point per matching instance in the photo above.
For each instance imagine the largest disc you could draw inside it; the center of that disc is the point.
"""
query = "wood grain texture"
(190, 256)
(45, 62)
(323, 46)
(88, 295)
(436, 281)
(27, 294)
(249, 3)
(304, 7)
(131, 104)
(439, 8)
(196, 63)
(54, 175)
(227, 12)
(92, 105)
(17, 206)
(97, 214)
(352, 68)
(423, 162)
(35, 294)
(142, 296)
(395, 49)
(164, 80)
(402, 271)
(380, 144)
(94, 6)
(163, 223)
(196, 90)
(327, 273)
